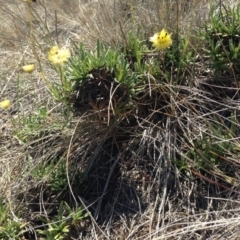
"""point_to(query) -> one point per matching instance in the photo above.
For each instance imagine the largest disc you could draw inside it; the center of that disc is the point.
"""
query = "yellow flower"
(5, 104)
(58, 56)
(161, 40)
(28, 68)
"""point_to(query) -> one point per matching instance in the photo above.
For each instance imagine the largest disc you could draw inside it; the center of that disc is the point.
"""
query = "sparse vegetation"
(105, 137)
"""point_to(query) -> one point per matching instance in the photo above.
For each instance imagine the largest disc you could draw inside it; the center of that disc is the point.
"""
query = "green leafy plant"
(222, 36)
(9, 228)
(31, 125)
(58, 228)
(135, 52)
(179, 61)
(54, 173)
(76, 215)
(101, 80)
(82, 63)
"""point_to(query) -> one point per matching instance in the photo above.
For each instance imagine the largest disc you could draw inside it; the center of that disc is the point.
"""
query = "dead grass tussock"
(76, 21)
(134, 189)
(137, 170)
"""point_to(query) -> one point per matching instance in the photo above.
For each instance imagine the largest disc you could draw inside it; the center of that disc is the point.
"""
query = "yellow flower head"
(161, 40)
(58, 56)
(5, 104)
(28, 68)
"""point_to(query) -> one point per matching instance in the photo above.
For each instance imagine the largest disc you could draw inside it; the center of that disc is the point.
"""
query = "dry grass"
(134, 189)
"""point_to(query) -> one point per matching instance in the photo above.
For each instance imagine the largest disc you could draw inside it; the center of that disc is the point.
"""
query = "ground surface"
(133, 191)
